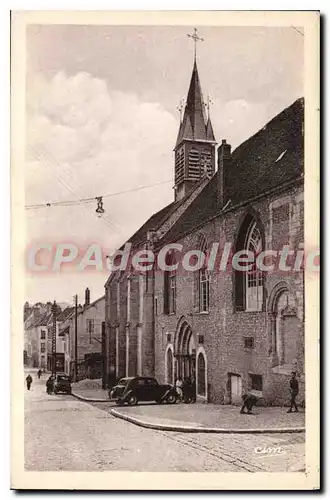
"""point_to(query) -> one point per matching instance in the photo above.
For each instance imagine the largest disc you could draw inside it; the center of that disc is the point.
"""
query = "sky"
(101, 117)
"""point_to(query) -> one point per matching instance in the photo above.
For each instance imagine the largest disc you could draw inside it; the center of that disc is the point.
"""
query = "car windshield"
(63, 378)
(123, 381)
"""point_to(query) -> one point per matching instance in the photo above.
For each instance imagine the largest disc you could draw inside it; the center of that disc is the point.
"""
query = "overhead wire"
(59, 170)
(91, 200)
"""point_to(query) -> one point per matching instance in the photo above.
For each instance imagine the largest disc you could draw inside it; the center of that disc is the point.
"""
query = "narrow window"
(249, 283)
(204, 280)
(90, 328)
(170, 286)
(169, 363)
(201, 375)
(204, 290)
(254, 278)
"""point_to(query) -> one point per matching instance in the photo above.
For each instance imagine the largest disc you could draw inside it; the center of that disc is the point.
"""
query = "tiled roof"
(83, 309)
(40, 320)
(157, 219)
(270, 158)
(65, 314)
(201, 208)
(152, 223)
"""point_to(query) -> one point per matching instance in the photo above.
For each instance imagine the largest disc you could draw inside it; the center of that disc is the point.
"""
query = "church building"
(227, 328)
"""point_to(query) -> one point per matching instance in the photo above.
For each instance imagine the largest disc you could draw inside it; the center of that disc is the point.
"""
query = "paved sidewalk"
(211, 418)
(85, 394)
(198, 417)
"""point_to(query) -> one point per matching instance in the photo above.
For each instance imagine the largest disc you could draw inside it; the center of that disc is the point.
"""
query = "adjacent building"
(90, 338)
(35, 335)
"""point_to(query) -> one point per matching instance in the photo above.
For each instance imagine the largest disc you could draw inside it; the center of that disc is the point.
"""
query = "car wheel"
(132, 400)
(119, 403)
(171, 399)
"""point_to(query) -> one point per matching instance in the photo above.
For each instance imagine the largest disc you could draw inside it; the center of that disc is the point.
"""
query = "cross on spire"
(181, 107)
(207, 105)
(196, 39)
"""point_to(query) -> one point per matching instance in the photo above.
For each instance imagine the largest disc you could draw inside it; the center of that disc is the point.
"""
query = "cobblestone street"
(62, 433)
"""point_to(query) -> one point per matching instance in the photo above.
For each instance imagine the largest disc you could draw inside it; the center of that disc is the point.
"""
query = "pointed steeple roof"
(193, 126)
(209, 131)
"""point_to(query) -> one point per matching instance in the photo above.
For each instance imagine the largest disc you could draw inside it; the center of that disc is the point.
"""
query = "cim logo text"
(269, 451)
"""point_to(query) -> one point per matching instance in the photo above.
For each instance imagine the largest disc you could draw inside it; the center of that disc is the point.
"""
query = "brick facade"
(223, 328)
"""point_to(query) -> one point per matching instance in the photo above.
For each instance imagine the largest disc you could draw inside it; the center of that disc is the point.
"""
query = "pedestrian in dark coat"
(294, 390)
(28, 382)
(39, 373)
(50, 385)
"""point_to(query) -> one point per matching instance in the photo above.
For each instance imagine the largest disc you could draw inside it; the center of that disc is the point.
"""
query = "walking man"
(28, 382)
(39, 373)
(294, 390)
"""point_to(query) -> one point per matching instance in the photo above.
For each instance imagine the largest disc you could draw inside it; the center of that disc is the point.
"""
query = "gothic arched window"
(254, 277)
(204, 280)
(249, 284)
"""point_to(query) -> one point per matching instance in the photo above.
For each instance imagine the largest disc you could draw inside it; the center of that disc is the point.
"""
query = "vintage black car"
(131, 390)
(62, 383)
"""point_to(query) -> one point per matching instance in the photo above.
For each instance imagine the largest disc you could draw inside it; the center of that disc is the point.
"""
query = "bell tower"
(195, 144)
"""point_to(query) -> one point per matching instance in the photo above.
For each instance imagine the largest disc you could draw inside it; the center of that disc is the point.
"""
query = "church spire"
(193, 127)
(195, 144)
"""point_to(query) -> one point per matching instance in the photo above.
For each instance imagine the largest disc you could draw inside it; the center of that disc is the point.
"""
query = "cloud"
(239, 119)
(84, 140)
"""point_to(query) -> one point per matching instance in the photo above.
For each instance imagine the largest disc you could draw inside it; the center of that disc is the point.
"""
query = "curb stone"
(89, 400)
(185, 428)
(215, 430)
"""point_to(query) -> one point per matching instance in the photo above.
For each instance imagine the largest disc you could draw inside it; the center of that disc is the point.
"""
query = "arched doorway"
(285, 329)
(185, 352)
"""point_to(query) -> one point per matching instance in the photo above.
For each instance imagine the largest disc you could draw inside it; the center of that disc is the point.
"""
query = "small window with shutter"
(90, 328)
(249, 342)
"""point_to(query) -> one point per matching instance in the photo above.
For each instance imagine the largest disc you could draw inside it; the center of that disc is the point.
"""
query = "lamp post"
(54, 311)
(76, 338)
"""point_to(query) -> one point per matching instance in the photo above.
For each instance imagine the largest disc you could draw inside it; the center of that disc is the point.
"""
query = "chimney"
(224, 157)
(87, 297)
